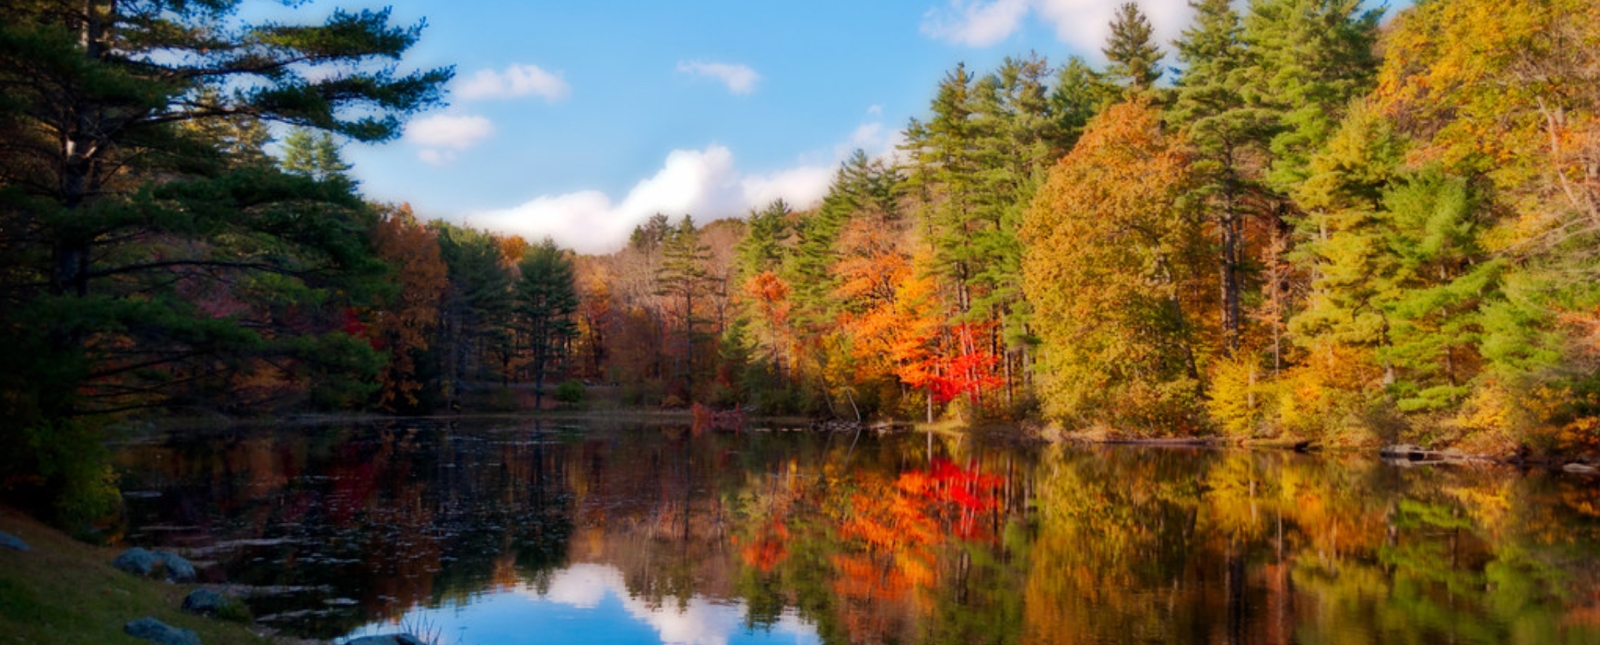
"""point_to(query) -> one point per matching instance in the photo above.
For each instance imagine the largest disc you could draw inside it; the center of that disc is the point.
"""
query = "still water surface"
(482, 533)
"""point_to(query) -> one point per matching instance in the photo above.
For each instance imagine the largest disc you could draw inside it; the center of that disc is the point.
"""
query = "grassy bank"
(66, 592)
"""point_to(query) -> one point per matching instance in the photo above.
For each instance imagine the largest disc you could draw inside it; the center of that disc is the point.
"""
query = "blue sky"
(579, 120)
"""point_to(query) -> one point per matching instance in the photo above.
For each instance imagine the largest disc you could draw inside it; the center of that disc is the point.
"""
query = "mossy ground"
(66, 592)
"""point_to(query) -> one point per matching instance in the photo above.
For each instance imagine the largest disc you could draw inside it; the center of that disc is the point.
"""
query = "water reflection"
(590, 603)
(493, 534)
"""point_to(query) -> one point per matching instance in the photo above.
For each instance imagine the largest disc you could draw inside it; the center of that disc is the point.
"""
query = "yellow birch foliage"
(1109, 255)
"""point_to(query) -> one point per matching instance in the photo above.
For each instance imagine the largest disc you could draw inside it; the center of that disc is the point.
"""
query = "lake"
(504, 532)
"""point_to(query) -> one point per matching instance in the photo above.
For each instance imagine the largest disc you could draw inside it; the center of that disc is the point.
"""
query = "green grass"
(66, 592)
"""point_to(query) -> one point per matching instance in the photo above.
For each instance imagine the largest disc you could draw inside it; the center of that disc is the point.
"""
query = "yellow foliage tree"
(1112, 250)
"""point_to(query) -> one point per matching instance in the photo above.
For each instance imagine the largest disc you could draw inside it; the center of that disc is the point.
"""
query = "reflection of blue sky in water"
(588, 603)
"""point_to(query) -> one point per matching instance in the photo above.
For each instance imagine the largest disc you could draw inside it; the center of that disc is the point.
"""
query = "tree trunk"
(1229, 267)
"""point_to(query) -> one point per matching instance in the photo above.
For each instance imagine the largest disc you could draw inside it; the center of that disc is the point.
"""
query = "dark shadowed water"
(507, 532)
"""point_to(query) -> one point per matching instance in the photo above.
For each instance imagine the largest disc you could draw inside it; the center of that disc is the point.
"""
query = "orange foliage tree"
(403, 325)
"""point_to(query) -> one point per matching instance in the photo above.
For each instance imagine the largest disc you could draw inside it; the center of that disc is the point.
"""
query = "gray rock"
(146, 563)
(156, 631)
(205, 602)
(178, 569)
(12, 542)
(137, 561)
(391, 639)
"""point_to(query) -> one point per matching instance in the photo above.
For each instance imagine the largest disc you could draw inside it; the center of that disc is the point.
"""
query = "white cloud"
(740, 79)
(441, 136)
(876, 110)
(975, 23)
(1087, 23)
(703, 183)
(447, 131)
(435, 157)
(516, 80)
(1083, 24)
(800, 187)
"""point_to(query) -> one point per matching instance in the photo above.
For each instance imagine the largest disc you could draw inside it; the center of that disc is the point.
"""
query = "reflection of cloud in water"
(582, 585)
(589, 603)
(697, 622)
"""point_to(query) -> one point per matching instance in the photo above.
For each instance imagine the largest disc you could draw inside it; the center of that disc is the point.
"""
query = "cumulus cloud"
(513, 81)
(800, 187)
(703, 183)
(441, 136)
(1084, 24)
(974, 23)
(1087, 23)
(740, 79)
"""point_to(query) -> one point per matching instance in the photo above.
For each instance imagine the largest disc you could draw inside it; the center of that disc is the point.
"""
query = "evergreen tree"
(477, 308)
(1225, 131)
(1399, 271)
(312, 153)
(157, 270)
(762, 248)
(1308, 60)
(1080, 92)
(684, 277)
(1134, 55)
(945, 170)
(546, 302)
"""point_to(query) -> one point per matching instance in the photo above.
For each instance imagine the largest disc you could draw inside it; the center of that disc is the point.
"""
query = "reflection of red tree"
(956, 496)
(768, 550)
(891, 531)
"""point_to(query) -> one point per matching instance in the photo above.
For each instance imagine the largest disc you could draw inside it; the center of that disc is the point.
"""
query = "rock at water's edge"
(178, 569)
(156, 631)
(146, 563)
(12, 542)
(205, 602)
(392, 639)
(137, 561)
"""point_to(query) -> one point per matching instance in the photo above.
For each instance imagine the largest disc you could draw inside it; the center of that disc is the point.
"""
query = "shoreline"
(1019, 432)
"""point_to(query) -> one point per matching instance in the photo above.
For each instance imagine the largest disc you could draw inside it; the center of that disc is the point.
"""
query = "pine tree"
(1134, 55)
(1078, 95)
(1308, 60)
(546, 303)
(684, 277)
(161, 266)
(945, 170)
(312, 153)
(1225, 131)
(477, 308)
